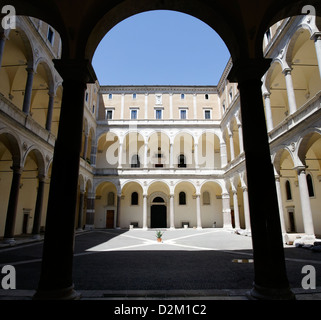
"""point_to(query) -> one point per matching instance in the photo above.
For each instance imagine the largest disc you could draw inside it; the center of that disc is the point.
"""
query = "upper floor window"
(50, 35)
(133, 114)
(134, 96)
(134, 199)
(86, 96)
(110, 96)
(224, 106)
(231, 95)
(182, 198)
(206, 198)
(182, 96)
(268, 35)
(183, 114)
(109, 114)
(182, 161)
(288, 190)
(135, 163)
(206, 97)
(158, 114)
(207, 114)
(111, 199)
(310, 185)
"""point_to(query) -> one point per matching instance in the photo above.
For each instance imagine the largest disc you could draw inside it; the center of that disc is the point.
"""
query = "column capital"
(76, 69)
(248, 69)
(300, 169)
(287, 71)
(17, 169)
(316, 36)
(266, 95)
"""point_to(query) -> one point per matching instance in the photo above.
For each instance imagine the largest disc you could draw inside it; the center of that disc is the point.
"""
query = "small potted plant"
(159, 235)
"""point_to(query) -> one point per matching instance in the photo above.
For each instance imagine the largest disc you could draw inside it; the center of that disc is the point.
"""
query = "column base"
(61, 294)
(262, 293)
(10, 241)
(305, 240)
(36, 237)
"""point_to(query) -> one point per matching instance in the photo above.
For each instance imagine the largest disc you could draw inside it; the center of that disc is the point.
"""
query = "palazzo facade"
(161, 156)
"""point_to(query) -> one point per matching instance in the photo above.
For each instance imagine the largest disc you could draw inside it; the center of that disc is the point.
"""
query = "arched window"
(206, 198)
(111, 199)
(288, 190)
(158, 200)
(310, 185)
(135, 163)
(182, 161)
(182, 198)
(134, 200)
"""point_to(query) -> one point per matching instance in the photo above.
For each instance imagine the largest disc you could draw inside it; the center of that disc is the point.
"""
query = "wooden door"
(110, 216)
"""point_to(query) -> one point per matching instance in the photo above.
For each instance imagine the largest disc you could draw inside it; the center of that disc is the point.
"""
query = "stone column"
(56, 281)
(120, 156)
(85, 146)
(171, 106)
(118, 213)
(236, 210)
(12, 205)
(93, 153)
(227, 219)
(239, 125)
(38, 209)
(230, 134)
(223, 155)
(317, 41)
(268, 111)
(171, 156)
(290, 90)
(196, 155)
(279, 194)
(270, 281)
(122, 106)
(246, 209)
(145, 156)
(28, 91)
(305, 203)
(172, 214)
(195, 105)
(81, 209)
(198, 211)
(145, 212)
(50, 111)
(146, 106)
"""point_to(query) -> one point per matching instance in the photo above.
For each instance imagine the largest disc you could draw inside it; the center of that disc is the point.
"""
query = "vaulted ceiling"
(83, 24)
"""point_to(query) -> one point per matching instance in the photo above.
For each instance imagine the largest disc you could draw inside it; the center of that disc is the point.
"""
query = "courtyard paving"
(187, 264)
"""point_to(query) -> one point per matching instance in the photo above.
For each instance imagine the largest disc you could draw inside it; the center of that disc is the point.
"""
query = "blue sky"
(161, 48)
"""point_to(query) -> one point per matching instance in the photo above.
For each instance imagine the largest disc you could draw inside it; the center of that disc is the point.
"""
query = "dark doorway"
(25, 223)
(158, 216)
(292, 221)
(110, 219)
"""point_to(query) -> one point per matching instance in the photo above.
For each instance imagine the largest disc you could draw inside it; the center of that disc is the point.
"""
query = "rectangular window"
(133, 114)
(87, 96)
(109, 114)
(183, 114)
(182, 96)
(110, 96)
(50, 35)
(207, 114)
(159, 114)
(134, 96)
